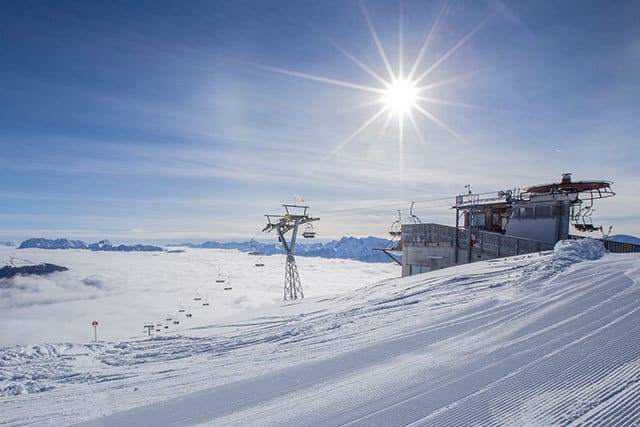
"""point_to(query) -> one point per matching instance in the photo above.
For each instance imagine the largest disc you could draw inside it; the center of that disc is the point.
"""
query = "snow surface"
(543, 339)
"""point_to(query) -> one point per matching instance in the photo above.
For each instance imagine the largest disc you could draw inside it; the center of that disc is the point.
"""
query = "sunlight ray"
(452, 103)
(360, 106)
(428, 39)
(438, 122)
(400, 41)
(447, 81)
(387, 121)
(383, 55)
(417, 129)
(322, 79)
(385, 126)
(360, 64)
(401, 145)
(453, 49)
(365, 125)
(340, 146)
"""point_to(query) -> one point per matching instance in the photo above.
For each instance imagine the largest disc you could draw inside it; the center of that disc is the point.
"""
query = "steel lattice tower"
(292, 285)
(283, 224)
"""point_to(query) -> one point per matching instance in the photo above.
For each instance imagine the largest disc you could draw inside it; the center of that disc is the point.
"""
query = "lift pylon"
(295, 215)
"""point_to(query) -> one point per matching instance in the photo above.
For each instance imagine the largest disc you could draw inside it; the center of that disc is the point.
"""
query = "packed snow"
(545, 339)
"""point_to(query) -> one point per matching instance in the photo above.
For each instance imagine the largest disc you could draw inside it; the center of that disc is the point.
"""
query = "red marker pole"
(95, 330)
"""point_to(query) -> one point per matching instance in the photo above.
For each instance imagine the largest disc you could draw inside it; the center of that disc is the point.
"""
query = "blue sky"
(161, 121)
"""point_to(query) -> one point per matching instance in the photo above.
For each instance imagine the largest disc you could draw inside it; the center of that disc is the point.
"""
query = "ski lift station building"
(507, 223)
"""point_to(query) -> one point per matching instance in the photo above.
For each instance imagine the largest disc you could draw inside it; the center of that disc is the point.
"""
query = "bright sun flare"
(400, 96)
(406, 95)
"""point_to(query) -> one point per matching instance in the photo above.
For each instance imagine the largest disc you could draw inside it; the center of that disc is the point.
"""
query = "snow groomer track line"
(550, 338)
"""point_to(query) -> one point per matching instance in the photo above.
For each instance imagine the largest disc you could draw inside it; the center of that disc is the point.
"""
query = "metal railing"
(613, 246)
(492, 243)
(428, 233)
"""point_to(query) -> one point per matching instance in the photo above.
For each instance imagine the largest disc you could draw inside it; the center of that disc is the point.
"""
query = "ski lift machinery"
(294, 217)
(583, 193)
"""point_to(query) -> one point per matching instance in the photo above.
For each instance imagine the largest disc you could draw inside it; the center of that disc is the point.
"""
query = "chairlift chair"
(414, 218)
(395, 229)
(220, 278)
(583, 221)
(309, 232)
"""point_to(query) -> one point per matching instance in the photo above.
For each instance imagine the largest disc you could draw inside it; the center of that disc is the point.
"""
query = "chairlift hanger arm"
(286, 222)
(288, 225)
(286, 208)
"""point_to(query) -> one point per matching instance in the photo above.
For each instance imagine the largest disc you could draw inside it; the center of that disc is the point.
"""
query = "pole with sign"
(95, 330)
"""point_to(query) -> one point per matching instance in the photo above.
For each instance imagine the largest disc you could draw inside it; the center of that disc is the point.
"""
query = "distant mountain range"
(8, 243)
(102, 245)
(360, 249)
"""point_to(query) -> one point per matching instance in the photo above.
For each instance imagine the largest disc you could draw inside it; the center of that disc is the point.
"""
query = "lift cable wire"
(377, 209)
(380, 211)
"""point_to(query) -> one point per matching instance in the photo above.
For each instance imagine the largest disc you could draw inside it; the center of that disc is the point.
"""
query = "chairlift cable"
(395, 204)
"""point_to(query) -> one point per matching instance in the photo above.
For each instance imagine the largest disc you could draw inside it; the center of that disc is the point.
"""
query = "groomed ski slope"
(550, 338)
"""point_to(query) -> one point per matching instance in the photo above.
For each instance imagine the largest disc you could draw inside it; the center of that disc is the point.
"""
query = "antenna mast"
(295, 215)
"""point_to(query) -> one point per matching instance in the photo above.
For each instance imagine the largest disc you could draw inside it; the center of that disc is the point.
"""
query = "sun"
(406, 93)
(400, 96)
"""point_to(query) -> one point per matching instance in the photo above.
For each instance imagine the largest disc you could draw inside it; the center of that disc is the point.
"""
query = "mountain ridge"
(357, 248)
(102, 245)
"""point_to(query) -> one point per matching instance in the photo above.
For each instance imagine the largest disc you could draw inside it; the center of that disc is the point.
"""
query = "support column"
(292, 285)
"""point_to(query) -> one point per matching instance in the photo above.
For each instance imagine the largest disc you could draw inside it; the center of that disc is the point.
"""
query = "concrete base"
(421, 258)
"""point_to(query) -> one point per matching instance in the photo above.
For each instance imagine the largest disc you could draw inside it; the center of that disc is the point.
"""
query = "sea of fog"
(125, 291)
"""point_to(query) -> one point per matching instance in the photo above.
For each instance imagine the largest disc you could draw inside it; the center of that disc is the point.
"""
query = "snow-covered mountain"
(102, 245)
(361, 249)
(540, 339)
(42, 243)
